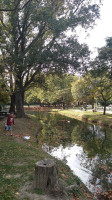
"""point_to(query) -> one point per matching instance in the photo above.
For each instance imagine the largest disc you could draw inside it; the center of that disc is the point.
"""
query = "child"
(10, 121)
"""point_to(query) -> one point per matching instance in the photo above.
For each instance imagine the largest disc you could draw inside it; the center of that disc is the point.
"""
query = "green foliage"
(4, 92)
(93, 86)
(33, 38)
(103, 87)
(83, 90)
(57, 89)
(31, 96)
(103, 62)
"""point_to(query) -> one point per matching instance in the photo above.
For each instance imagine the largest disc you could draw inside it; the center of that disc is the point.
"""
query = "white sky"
(101, 30)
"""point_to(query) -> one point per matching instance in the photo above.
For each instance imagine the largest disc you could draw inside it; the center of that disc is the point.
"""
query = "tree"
(103, 62)
(35, 42)
(103, 87)
(105, 56)
(83, 90)
(4, 6)
(4, 92)
(4, 89)
(102, 73)
(93, 85)
(56, 90)
(77, 91)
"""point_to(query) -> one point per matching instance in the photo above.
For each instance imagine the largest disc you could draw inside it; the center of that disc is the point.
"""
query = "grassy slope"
(18, 158)
(89, 116)
(17, 162)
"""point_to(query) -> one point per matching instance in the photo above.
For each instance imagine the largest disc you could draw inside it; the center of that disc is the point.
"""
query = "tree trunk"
(12, 105)
(92, 106)
(0, 107)
(63, 105)
(46, 176)
(92, 103)
(78, 103)
(104, 111)
(20, 104)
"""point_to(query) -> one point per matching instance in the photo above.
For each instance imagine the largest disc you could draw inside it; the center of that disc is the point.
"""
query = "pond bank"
(18, 158)
(88, 116)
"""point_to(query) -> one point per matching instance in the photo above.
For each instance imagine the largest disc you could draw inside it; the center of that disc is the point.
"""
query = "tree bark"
(46, 176)
(63, 105)
(93, 103)
(104, 111)
(20, 104)
(12, 105)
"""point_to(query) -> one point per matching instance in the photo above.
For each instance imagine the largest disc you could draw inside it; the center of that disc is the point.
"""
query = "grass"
(17, 162)
(89, 116)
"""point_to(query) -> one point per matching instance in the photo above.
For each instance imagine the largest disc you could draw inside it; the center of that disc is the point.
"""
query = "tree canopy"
(56, 90)
(93, 86)
(33, 39)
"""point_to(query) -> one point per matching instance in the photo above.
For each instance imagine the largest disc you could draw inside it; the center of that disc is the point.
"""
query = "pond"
(85, 148)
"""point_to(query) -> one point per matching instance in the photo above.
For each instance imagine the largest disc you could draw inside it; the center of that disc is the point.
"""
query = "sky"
(101, 30)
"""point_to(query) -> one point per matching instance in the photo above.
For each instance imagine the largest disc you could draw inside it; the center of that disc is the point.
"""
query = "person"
(10, 121)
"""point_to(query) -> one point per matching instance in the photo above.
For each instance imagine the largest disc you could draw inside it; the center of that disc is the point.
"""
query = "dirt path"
(28, 192)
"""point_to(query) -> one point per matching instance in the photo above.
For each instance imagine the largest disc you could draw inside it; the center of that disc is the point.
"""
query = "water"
(85, 148)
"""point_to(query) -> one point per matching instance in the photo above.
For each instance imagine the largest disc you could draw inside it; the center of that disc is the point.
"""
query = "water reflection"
(73, 158)
(85, 148)
(55, 130)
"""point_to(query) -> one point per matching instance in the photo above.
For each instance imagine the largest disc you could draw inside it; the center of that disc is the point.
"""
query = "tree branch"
(41, 32)
(14, 9)
(27, 4)
(79, 3)
(27, 83)
(2, 22)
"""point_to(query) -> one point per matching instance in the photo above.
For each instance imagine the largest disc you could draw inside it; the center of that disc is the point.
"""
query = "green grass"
(89, 116)
(16, 165)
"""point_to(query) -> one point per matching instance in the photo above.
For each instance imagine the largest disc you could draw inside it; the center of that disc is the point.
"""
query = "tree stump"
(46, 176)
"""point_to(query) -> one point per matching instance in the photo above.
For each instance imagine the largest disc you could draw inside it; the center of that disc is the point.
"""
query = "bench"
(4, 113)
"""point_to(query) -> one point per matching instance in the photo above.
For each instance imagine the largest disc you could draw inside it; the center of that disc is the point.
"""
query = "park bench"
(4, 113)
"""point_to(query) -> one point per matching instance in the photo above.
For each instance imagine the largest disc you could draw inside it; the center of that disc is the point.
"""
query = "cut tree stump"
(46, 176)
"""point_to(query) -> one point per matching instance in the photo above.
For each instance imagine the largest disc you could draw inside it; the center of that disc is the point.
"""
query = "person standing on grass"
(10, 121)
